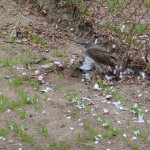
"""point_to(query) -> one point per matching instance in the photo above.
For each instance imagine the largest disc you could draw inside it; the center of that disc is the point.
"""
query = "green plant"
(100, 118)
(79, 137)
(58, 53)
(58, 87)
(60, 145)
(147, 3)
(16, 81)
(136, 147)
(105, 134)
(6, 62)
(36, 38)
(89, 147)
(3, 132)
(73, 113)
(19, 130)
(22, 113)
(91, 130)
(43, 130)
(4, 102)
(114, 131)
(113, 5)
(139, 28)
(35, 84)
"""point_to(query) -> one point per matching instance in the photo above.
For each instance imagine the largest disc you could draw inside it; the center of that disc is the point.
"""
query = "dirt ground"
(53, 107)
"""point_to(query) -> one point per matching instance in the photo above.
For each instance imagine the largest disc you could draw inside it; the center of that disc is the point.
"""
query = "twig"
(14, 29)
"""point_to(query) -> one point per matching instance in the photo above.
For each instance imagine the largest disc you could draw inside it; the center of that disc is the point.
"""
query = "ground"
(70, 113)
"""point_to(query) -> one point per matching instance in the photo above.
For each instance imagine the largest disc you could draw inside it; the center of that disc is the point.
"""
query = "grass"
(92, 132)
(58, 88)
(58, 53)
(136, 147)
(6, 62)
(115, 95)
(39, 40)
(16, 104)
(20, 80)
(11, 62)
(113, 5)
(43, 130)
(147, 3)
(22, 113)
(3, 132)
(16, 128)
(73, 113)
(60, 145)
(139, 28)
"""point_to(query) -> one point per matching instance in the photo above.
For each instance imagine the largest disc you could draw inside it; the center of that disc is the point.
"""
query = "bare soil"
(53, 108)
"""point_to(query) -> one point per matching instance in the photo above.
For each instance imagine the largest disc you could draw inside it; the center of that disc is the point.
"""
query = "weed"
(136, 147)
(58, 87)
(105, 134)
(59, 76)
(26, 137)
(135, 109)
(89, 147)
(113, 5)
(43, 61)
(28, 52)
(58, 53)
(36, 38)
(71, 95)
(114, 131)
(100, 119)
(91, 130)
(27, 99)
(60, 145)
(128, 123)
(147, 3)
(4, 103)
(35, 84)
(20, 131)
(6, 62)
(22, 113)
(73, 113)
(139, 28)
(3, 132)
(79, 137)
(43, 130)
(18, 81)
(102, 85)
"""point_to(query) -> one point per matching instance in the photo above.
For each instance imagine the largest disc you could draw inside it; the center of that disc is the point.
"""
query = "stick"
(14, 29)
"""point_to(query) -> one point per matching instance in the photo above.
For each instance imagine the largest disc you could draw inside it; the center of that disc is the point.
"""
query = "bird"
(98, 57)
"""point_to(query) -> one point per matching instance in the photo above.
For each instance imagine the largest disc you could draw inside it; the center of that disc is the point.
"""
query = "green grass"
(43, 130)
(16, 104)
(17, 81)
(20, 80)
(73, 113)
(113, 5)
(136, 147)
(22, 113)
(139, 28)
(147, 3)
(60, 145)
(39, 40)
(92, 132)
(3, 132)
(58, 88)
(19, 130)
(58, 53)
(7, 62)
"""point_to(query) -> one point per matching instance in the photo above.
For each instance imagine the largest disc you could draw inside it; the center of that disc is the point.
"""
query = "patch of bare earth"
(49, 115)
